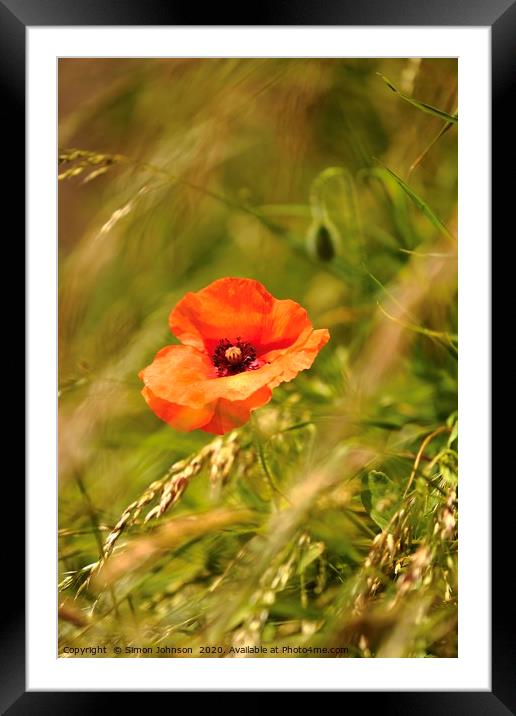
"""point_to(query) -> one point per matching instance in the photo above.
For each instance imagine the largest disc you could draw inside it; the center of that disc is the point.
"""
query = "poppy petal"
(178, 374)
(286, 364)
(232, 414)
(238, 308)
(180, 417)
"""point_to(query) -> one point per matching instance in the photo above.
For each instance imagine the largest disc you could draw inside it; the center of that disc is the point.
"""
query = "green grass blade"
(423, 106)
(421, 205)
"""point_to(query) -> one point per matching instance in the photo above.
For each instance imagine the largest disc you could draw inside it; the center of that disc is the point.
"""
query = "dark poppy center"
(231, 357)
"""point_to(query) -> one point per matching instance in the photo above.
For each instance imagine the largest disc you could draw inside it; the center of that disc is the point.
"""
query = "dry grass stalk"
(82, 159)
(69, 613)
(273, 581)
(420, 562)
(383, 557)
(222, 460)
(145, 550)
(446, 522)
(221, 454)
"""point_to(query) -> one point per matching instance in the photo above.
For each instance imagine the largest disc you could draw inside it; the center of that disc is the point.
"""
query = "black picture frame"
(500, 16)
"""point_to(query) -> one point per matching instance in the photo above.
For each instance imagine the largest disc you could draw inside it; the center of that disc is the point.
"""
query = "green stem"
(260, 451)
(96, 529)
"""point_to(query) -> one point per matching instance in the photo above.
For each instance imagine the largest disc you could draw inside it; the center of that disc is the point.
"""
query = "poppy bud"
(324, 244)
(322, 240)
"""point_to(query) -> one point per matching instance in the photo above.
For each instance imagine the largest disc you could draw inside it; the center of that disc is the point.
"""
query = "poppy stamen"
(231, 357)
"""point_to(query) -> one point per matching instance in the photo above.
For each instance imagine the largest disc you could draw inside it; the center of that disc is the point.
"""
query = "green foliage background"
(329, 521)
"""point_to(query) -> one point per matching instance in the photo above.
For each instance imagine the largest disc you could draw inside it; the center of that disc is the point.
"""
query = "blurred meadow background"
(326, 526)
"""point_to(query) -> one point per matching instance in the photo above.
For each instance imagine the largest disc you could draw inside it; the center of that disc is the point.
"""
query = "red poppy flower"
(238, 343)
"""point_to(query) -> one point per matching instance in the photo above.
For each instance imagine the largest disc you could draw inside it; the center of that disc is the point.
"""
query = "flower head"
(238, 342)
